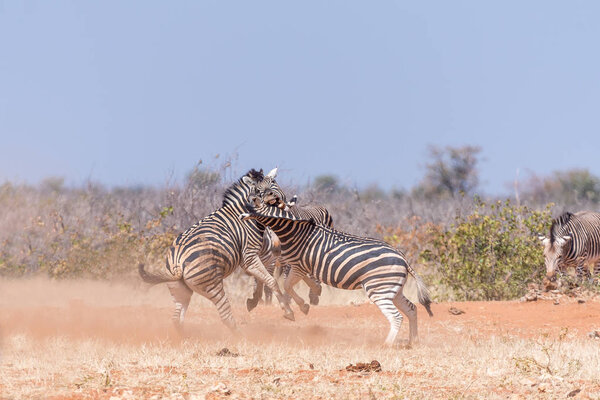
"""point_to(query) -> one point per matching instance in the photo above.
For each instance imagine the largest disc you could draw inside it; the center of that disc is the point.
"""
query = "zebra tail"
(422, 291)
(156, 278)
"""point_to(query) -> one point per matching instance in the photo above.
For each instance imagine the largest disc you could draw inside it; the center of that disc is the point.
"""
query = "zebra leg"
(268, 296)
(258, 290)
(181, 295)
(215, 292)
(582, 272)
(275, 270)
(258, 270)
(387, 307)
(291, 280)
(315, 288)
(410, 310)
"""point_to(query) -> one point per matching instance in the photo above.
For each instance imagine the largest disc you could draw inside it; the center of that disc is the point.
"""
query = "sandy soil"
(100, 340)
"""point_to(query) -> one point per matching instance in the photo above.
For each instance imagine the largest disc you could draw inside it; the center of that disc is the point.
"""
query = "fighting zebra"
(343, 261)
(202, 256)
(574, 240)
(321, 216)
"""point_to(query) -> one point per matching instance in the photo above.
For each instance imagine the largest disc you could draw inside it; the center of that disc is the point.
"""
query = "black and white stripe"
(574, 241)
(344, 261)
(272, 247)
(202, 256)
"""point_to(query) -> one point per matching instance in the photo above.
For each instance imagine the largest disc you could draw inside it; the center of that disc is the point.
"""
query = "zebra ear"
(248, 181)
(567, 238)
(272, 173)
(542, 237)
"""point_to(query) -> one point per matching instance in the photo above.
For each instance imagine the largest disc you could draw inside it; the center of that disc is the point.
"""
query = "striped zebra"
(574, 240)
(321, 216)
(344, 261)
(202, 256)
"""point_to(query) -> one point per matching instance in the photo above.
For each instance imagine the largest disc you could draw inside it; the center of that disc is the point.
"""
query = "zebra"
(320, 215)
(574, 240)
(344, 261)
(202, 256)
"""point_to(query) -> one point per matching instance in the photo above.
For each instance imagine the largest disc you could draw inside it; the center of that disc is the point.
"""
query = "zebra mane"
(230, 192)
(558, 223)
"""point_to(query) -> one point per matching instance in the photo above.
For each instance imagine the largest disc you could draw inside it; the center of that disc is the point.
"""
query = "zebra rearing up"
(344, 261)
(202, 256)
(574, 240)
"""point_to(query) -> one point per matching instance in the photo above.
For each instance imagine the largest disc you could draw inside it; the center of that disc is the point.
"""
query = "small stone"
(580, 301)
(225, 352)
(573, 393)
(527, 382)
(455, 311)
(594, 335)
(221, 388)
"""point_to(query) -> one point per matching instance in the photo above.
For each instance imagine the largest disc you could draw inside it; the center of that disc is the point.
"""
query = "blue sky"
(134, 92)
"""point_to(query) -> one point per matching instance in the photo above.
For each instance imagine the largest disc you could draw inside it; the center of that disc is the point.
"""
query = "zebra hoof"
(314, 299)
(304, 308)
(289, 316)
(251, 304)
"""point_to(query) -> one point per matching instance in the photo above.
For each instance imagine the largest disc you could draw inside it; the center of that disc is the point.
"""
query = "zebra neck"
(236, 197)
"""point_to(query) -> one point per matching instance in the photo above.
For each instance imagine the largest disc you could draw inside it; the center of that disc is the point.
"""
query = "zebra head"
(269, 191)
(554, 253)
(265, 187)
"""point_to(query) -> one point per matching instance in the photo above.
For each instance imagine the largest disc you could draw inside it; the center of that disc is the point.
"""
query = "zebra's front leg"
(315, 289)
(258, 291)
(291, 280)
(582, 272)
(258, 270)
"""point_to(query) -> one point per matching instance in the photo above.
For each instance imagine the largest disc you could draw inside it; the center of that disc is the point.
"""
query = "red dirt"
(138, 324)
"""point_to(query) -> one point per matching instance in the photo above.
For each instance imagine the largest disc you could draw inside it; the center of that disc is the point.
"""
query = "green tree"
(490, 254)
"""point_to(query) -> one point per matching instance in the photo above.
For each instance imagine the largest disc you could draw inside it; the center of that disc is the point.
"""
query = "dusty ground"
(97, 340)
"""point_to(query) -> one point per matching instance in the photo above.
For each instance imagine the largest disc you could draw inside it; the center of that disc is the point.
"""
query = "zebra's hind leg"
(410, 310)
(181, 295)
(215, 292)
(388, 308)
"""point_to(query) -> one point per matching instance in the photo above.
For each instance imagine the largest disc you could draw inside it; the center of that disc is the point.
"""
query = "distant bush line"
(466, 247)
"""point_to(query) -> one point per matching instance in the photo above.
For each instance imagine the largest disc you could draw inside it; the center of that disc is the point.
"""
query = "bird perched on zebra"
(343, 261)
(573, 241)
(202, 256)
(321, 216)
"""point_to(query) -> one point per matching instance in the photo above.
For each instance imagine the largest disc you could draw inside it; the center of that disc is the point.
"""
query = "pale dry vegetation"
(96, 340)
(76, 322)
